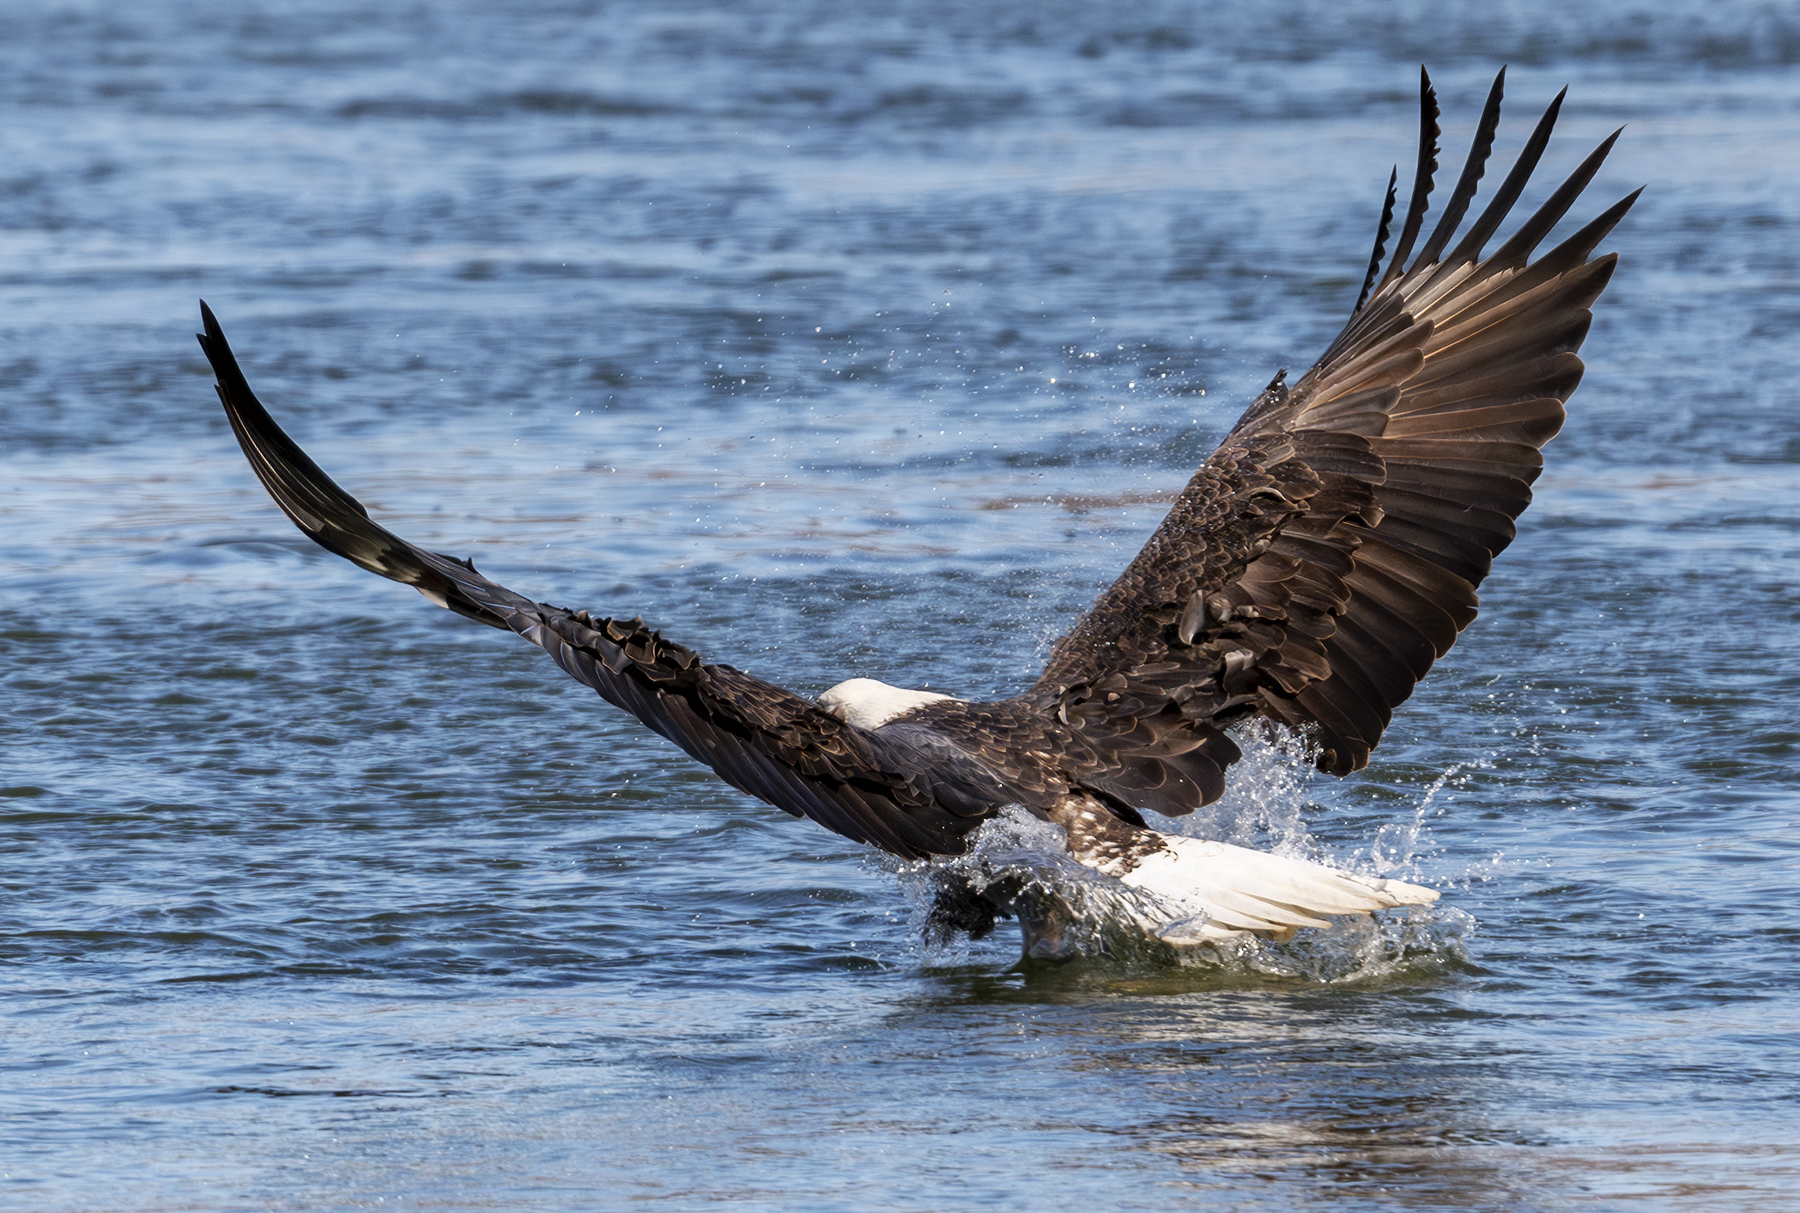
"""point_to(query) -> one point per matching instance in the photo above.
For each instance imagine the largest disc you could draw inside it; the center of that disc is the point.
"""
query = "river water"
(840, 341)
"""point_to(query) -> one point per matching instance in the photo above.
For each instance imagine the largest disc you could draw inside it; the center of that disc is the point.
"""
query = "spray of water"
(1273, 792)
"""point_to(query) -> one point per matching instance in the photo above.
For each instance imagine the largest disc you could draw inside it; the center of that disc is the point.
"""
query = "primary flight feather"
(1311, 572)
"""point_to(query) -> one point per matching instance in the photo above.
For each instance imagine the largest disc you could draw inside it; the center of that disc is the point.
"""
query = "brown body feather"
(1312, 571)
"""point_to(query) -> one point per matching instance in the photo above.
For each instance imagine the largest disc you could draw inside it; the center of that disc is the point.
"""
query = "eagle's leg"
(1045, 922)
(960, 905)
(970, 902)
(963, 904)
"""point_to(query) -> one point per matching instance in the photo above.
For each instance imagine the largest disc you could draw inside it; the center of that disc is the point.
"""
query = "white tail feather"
(1215, 891)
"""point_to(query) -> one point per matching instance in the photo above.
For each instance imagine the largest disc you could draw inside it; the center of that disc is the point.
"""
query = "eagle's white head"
(869, 704)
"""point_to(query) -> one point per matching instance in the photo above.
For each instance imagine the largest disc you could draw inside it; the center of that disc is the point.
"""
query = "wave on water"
(1024, 860)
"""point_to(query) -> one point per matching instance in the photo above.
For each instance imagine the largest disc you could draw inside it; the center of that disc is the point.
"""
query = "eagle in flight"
(1309, 574)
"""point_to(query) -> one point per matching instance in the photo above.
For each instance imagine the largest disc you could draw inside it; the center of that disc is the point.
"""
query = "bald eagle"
(1309, 574)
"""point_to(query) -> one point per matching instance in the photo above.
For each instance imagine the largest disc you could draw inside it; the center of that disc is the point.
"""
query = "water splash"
(1024, 860)
(1355, 949)
(1397, 845)
(1268, 799)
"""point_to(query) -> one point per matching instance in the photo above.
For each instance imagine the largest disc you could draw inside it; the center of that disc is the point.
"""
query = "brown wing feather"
(1329, 552)
(759, 738)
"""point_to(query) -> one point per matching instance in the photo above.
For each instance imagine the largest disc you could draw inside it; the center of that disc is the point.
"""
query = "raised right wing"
(1329, 552)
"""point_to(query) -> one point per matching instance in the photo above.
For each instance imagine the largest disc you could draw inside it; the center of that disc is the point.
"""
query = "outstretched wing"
(1329, 552)
(759, 738)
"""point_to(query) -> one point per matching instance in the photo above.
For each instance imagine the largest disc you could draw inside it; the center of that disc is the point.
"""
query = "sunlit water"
(848, 342)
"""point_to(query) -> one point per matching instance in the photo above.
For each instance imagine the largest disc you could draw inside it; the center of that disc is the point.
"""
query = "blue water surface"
(842, 340)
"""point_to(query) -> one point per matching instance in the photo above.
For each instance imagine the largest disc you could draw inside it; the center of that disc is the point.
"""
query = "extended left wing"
(759, 738)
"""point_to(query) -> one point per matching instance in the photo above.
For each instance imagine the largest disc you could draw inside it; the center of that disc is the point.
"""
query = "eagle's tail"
(1219, 892)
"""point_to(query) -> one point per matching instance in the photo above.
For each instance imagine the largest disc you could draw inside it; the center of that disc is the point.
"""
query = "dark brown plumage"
(1312, 571)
